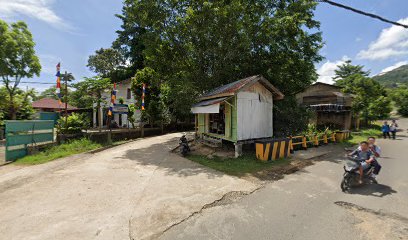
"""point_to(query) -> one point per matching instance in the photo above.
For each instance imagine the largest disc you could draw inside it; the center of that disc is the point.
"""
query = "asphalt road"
(310, 205)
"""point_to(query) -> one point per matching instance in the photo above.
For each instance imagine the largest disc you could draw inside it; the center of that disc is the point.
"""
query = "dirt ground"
(133, 191)
(298, 160)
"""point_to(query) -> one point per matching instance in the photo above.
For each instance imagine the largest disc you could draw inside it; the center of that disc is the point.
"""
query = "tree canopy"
(347, 69)
(106, 62)
(194, 46)
(370, 98)
(400, 97)
(17, 59)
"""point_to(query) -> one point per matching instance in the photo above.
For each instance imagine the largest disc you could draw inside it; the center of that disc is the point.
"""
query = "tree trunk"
(12, 109)
(100, 117)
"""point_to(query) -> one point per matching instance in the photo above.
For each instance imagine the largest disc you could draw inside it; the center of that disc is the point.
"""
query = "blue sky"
(69, 31)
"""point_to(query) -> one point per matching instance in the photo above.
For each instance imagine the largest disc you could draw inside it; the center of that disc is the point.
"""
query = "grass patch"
(248, 163)
(63, 150)
(356, 138)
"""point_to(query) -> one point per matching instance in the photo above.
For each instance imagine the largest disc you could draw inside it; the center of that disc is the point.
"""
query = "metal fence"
(22, 133)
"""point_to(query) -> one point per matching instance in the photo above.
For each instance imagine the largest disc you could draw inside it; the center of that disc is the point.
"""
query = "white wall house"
(123, 91)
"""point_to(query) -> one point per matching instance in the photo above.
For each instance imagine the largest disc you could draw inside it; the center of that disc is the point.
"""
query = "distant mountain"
(394, 77)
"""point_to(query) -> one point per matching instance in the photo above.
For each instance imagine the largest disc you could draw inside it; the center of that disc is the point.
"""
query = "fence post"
(333, 137)
(325, 141)
(304, 143)
(291, 144)
(315, 140)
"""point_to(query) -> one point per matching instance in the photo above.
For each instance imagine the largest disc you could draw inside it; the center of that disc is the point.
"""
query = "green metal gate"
(21, 133)
(50, 116)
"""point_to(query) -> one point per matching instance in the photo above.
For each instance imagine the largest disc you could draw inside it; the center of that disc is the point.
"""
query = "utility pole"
(67, 77)
(66, 100)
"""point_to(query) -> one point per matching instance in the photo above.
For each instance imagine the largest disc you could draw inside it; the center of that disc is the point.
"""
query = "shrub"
(75, 123)
(290, 118)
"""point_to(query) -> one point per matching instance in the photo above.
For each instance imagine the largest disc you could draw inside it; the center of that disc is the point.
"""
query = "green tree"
(94, 87)
(22, 102)
(131, 114)
(370, 98)
(346, 70)
(194, 46)
(17, 59)
(51, 92)
(286, 123)
(106, 62)
(154, 107)
(400, 98)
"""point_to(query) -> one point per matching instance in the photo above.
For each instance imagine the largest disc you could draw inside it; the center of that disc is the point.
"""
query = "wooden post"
(315, 140)
(304, 142)
(325, 141)
(291, 144)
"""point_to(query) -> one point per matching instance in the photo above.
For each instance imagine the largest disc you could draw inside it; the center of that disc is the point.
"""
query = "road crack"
(226, 199)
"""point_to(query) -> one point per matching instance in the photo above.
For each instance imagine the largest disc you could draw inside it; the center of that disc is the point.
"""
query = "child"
(364, 156)
(386, 130)
(393, 128)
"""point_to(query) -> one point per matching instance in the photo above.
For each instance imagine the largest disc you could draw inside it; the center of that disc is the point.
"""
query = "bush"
(290, 118)
(75, 123)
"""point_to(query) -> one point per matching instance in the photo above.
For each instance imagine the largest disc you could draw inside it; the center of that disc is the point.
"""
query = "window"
(129, 94)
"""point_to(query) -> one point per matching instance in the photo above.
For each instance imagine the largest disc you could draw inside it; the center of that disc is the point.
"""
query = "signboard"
(120, 108)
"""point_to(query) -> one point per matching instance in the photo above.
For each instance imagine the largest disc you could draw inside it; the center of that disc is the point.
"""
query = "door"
(227, 117)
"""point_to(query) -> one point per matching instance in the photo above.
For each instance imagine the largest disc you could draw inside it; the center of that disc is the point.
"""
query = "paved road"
(310, 205)
(133, 191)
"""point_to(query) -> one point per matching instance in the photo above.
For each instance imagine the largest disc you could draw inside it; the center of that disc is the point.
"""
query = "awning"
(208, 106)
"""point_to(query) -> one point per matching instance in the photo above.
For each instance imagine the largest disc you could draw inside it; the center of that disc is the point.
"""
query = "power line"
(363, 13)
(49, 83)
(38, 82)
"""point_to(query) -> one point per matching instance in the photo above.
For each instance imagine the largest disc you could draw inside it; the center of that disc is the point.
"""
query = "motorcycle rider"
(376, 150)
(365, 157)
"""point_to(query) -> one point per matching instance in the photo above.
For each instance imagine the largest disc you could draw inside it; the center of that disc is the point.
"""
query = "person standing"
(386, 130)
(393, 128)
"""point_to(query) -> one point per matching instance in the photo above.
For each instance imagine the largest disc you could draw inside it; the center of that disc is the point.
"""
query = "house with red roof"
(51, 105)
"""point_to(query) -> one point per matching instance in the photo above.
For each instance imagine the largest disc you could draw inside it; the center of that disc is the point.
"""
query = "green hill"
(394, 77)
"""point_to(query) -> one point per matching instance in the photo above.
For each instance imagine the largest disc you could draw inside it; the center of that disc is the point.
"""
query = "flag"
(58, 88)
(143, 96)
(113, 98)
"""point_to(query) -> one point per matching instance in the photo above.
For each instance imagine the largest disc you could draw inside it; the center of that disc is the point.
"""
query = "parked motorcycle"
(351, 175)
(183, 145)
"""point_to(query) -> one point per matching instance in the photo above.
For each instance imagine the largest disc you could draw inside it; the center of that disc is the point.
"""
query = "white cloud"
(392, 42)
(326, 71)
(390, 68)
(358, 39)
(39, 9)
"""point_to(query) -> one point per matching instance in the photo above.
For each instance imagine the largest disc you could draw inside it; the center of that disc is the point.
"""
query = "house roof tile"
(50, 103)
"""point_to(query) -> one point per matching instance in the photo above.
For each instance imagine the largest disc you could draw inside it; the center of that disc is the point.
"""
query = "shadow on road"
(159, 155)
(375, 190)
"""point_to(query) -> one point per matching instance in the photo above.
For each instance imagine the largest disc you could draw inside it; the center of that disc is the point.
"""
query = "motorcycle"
(351, 175)
(183, 145)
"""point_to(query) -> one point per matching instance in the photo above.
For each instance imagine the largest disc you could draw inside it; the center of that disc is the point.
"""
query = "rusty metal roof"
(232, 88)
(210, 102)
